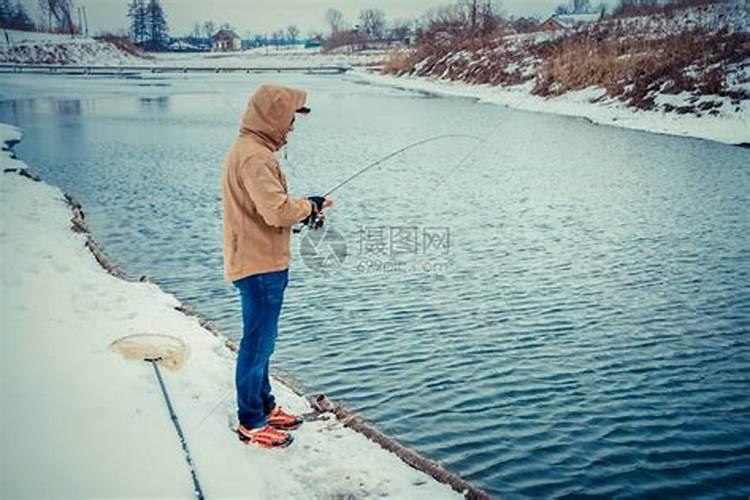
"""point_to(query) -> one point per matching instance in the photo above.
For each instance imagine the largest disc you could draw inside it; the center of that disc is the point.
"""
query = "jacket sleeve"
(270, 197)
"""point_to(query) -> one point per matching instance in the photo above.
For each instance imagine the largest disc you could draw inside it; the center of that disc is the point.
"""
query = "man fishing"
(258, 215)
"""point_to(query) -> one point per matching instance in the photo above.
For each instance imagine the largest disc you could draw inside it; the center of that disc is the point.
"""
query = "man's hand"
(316, 218)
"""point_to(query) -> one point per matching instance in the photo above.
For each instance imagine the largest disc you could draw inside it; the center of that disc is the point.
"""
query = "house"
(568, 21)
(226, 40)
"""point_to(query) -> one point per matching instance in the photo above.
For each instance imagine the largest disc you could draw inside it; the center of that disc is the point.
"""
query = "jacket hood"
(269, 114)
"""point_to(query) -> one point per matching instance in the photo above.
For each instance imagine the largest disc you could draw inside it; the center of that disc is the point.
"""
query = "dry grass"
(398, 62)
(125, 45)
(493, 62)
(636, 68)
(633, 60)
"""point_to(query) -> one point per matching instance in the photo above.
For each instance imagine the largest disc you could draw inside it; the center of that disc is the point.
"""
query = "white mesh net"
(170, 352)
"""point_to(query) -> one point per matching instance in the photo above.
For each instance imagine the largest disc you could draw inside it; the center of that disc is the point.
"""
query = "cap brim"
(304, 110)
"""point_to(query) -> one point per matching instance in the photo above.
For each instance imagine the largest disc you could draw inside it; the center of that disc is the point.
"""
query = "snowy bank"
(292, 57)
(27, 47)
(591, 104)
(31, 48)
(682, 70)
(79, 421)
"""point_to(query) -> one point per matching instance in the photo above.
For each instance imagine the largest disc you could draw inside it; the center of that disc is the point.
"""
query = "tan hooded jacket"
(258, 212)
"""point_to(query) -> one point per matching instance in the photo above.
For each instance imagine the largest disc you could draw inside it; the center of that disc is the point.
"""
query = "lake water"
(559, 311)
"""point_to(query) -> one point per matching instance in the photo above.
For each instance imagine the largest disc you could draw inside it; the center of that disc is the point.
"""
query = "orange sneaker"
(280, 419)
(267, 437)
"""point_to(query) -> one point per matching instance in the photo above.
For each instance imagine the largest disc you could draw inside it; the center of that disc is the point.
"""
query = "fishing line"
(396, 153)
(387, 157)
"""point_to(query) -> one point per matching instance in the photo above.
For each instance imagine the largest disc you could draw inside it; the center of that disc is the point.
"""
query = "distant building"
(568, 21)
(226, 40)
(313, 43)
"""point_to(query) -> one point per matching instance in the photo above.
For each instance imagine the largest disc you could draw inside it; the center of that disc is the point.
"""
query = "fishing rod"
(396, 153)
(317, 217)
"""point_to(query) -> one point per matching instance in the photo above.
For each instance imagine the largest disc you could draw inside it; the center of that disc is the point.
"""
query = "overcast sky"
(264, 16)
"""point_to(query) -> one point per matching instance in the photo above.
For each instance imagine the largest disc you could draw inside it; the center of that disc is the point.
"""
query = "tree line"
(148, 25)
(56, 16)
(15, 17)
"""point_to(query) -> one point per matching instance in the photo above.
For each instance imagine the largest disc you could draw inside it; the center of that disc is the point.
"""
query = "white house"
(226, 40)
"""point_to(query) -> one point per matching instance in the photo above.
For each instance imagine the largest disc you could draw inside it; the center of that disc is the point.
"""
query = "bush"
(635, 68)
(397, 62)
(124, 44)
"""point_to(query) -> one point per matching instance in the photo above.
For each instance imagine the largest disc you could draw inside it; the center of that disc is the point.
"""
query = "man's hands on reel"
(316, 219)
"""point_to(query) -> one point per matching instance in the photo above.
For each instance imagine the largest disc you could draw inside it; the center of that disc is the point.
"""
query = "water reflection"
(158, 104)
(67, 106)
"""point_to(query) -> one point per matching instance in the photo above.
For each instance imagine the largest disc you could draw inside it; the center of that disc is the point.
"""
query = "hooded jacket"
(258, 211)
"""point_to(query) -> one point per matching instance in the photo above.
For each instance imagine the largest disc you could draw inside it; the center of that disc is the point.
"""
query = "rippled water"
(584, 332)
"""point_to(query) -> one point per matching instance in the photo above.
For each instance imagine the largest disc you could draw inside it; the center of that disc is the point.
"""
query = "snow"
(26, 37)
(80, 421)
(573, 20)
(728, 127)
(28, 47)
(732, 15)
(46, 48)
(294, 56)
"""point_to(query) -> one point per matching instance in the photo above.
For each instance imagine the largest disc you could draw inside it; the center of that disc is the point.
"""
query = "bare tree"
(465, 19)
(581, 6)
(59, 11)
(489, 17)
(372, 23)
(335, 20)
(277, 38)
(401, 28)
(472, 13)
(449, 20)
(292, 32)
(209, 29)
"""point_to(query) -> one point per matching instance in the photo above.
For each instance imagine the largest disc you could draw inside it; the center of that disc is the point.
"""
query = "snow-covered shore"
(28, 47)
(31, 48)
(80, 421)
(289, 57)
(728, 128)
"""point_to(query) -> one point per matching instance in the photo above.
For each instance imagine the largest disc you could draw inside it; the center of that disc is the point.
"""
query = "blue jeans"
(262, 296)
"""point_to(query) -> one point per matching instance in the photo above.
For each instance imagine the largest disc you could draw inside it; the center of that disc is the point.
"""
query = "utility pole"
(85, 20)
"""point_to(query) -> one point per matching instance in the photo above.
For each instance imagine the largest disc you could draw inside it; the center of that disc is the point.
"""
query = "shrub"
(124, 44)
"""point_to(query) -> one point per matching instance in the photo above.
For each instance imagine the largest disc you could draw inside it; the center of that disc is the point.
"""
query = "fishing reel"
(313, 222)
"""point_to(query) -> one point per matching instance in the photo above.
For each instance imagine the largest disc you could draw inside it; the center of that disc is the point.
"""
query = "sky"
(266, 16)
